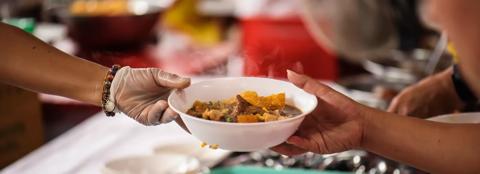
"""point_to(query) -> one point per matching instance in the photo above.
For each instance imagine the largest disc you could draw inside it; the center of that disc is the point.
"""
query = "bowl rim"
(308, 111)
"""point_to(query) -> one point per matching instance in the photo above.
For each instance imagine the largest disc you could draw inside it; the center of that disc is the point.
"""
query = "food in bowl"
(241, 137)
(246, 107)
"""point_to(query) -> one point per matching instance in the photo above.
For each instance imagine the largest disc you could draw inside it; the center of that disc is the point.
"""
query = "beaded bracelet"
(107, 105)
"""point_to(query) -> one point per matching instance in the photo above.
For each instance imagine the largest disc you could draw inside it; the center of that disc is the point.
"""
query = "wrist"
(374, 122)
(97, 84)
(368, 119)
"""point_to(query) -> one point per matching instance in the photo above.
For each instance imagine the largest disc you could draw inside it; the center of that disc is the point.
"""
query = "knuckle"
(142, 119)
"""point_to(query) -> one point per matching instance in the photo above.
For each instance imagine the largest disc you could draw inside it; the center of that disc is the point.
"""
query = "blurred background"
(206, 39)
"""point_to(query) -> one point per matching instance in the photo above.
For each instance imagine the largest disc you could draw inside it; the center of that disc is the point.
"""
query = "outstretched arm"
(339, 124)
(32, 64)
(29, 63)
(434, 147)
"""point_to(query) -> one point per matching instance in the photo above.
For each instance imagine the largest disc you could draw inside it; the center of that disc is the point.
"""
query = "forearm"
(434, 147)
(32, 64)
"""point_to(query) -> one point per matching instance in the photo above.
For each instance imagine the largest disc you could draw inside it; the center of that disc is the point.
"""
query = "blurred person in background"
(442, 93)
(370, 28)
(32, 64)
(340, 124)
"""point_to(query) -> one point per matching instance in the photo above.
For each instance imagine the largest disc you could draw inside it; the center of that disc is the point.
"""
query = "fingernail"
(291, 140)
(183, 81)
(291, 74)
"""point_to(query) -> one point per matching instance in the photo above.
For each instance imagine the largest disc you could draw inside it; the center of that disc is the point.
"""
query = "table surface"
(88, 146)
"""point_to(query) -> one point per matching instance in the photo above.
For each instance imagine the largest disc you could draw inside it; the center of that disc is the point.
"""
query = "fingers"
(288, 149)
(301, 143)
(399, 106)
(168, 116)
(166, 79)
(156, 113)
(152, 114)
(308, 84)
(394, 105)
(312, 86)
(297, 79)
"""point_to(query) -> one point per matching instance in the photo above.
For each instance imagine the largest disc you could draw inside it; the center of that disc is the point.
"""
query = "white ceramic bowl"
(241, 136)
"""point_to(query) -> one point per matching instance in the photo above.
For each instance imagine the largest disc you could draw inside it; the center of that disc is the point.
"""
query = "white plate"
(206, 156)
(241, 136)
(166, 163)
(473, 117)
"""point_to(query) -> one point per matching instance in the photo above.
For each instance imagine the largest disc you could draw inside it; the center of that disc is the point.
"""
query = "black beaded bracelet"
(462, 89)
(107, 105)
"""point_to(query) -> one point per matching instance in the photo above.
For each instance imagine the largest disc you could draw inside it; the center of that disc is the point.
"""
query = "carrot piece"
(247, 119)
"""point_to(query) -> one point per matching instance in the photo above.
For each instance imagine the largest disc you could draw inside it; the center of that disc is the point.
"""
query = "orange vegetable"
(274, 101)
(247, 118)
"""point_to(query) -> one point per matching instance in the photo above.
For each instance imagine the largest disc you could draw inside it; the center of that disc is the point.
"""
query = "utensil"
(436, 54)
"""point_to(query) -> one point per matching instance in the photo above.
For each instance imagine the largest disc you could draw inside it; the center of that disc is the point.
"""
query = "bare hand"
(432, 96)
(335, 125)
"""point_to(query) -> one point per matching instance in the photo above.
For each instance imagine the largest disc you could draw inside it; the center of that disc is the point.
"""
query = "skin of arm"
(433, 147)
(29, 63)
(339, 123)
(430, 146)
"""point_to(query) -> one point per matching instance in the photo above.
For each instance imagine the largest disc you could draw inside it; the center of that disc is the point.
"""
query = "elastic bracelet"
(107, 105)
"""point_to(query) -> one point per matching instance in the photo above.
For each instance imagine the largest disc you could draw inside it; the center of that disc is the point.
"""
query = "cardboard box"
(21, 127)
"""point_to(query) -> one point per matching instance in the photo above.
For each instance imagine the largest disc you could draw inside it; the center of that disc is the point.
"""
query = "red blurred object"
(271, 46)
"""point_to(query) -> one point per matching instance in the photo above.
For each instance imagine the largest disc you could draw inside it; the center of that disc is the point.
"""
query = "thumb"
(297, 79)
(303, 143)
(169, 80)
(308, 84)
(316, 88)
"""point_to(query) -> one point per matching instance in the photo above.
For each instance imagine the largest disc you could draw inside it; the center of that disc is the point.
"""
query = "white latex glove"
(141, 94)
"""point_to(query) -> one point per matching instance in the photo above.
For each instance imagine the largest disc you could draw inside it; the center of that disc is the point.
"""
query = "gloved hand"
(432, 96)
(141, 94)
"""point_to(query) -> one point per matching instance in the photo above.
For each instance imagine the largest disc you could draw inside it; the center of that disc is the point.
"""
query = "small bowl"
(242, 137)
